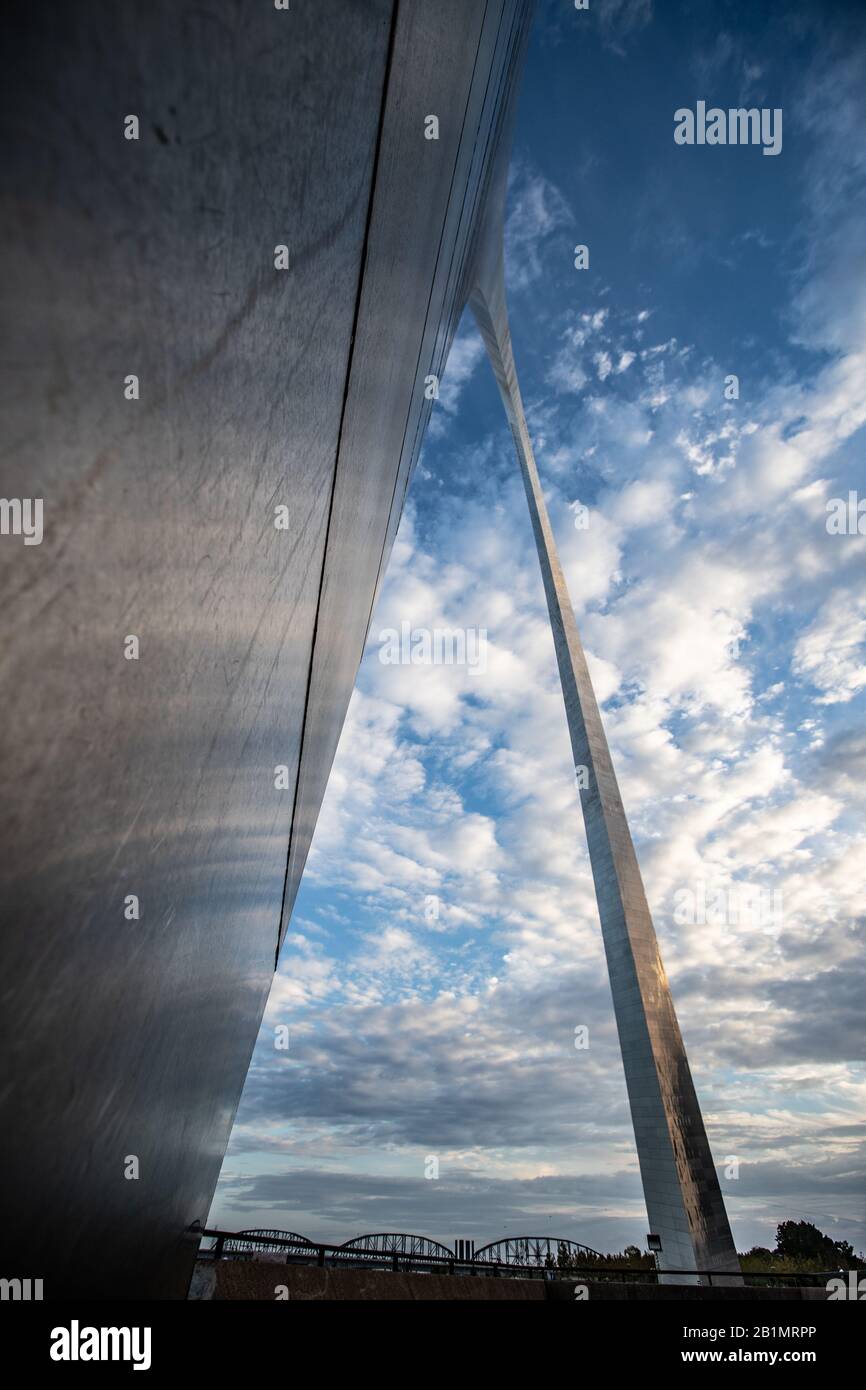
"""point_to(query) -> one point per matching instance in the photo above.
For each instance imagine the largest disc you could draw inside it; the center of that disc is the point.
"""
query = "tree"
(759, 1252)
(800, 1240)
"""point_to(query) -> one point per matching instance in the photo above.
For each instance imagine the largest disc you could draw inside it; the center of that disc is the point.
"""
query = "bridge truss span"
(396, 1243)
(267, 1242)
(531, 1250)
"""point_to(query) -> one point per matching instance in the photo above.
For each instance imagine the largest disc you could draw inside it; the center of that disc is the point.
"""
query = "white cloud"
(467, 351)
(537, 211)
(831, 653)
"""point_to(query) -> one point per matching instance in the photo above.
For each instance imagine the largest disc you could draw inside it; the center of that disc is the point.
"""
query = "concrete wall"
(235, 1279)
(240, 1279)
(156, 777)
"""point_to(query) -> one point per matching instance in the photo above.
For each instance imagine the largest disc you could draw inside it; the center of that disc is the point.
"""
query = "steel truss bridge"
(267, 1243)
(397, 1248)
(532, 1250)
(396, 1243)
(514, 1257)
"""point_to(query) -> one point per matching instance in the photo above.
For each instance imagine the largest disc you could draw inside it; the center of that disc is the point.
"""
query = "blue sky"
(726, 632)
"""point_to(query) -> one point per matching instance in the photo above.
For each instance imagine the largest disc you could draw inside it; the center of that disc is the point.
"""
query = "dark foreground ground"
(246, 1279)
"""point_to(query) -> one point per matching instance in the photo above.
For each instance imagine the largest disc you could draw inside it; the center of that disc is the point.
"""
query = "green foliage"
(800, 1240)
(761, 1261)
(801, 1249)
(630, 1258)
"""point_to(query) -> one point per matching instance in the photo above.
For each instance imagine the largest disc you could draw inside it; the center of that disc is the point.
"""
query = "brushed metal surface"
(258, 387)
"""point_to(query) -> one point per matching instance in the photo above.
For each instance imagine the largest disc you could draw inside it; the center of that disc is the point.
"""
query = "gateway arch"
(277, 257)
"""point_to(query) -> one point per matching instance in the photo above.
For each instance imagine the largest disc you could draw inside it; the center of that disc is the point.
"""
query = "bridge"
(512, 1257)
(267, 1243)
(401, 1249)
(533, 1250)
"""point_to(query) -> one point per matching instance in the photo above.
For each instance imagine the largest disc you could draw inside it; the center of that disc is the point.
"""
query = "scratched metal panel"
(156, 777)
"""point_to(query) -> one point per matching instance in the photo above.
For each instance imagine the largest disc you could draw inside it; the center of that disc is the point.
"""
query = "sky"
(445, 944)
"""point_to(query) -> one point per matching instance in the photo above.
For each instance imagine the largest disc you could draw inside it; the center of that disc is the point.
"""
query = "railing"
(332, 1256)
